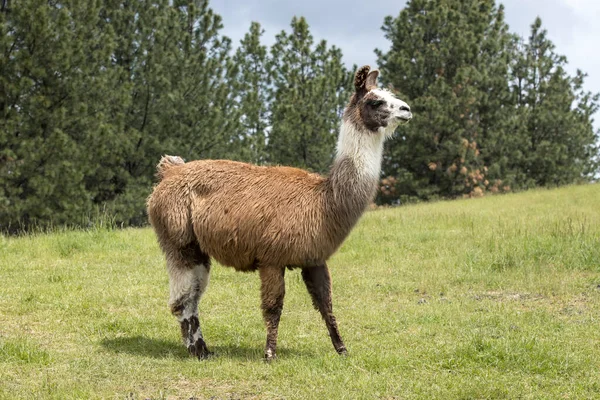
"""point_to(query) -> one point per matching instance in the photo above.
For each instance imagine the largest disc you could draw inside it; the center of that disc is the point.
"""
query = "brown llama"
(270, 218)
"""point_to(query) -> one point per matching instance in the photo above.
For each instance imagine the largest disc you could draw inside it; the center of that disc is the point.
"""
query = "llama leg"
(188, 277)
(272, 294)
(318, 283)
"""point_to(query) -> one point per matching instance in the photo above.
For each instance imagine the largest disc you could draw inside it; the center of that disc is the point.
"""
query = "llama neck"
(365, 149)
(355, 172)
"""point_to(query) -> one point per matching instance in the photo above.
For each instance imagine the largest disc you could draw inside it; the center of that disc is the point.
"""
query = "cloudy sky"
(573, 26)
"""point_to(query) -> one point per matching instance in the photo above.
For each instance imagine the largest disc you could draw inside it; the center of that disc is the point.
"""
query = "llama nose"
(404, 107)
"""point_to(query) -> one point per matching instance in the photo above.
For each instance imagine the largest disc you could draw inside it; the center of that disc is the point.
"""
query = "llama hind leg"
(272, 294)
(188, 278)
(318, 283)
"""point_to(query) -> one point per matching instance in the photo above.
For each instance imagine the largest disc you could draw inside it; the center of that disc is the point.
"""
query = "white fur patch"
(187, 314)
(198, 334)
(389, 98)
(365, 149)
(181, 284)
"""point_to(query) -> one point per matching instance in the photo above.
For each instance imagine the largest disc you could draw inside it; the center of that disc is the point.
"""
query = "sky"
(355, 27)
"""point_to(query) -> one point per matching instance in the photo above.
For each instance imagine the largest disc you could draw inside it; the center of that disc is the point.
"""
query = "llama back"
(243, 214)
(238, 213)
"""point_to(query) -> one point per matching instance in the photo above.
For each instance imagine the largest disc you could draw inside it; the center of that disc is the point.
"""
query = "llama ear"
(360, 79)
(371, 81)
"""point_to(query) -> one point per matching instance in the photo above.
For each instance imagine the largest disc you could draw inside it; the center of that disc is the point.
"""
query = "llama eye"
(376, 103)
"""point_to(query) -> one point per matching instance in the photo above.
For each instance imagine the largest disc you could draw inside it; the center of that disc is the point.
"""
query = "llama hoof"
(200, 350)
(205, 355)
(342, 351)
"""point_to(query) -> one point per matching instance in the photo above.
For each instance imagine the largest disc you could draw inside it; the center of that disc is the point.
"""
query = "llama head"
(373, 109)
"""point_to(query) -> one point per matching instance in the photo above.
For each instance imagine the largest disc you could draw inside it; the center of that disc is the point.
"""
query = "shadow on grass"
(158, 348)
(147, 347)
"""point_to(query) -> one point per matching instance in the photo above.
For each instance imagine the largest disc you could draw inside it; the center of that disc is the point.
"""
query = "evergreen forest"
(93, 93)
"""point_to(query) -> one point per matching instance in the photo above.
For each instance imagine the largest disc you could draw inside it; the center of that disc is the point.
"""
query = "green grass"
(478, 299)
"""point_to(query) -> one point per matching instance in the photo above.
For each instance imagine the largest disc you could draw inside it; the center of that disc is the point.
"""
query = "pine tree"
(92, 94)
(448, 60)
(310, 88)
(555, 114)
(206, 116)
(253, 79)
(491, 113)
(55, 96)
(178, 72)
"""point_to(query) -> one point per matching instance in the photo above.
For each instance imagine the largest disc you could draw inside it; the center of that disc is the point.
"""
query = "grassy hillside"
(490, 298)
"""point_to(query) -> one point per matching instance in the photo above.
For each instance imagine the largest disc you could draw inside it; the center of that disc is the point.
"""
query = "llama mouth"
(404, 118)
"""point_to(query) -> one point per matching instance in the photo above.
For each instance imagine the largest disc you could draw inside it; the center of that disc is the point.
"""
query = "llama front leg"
(318, 283)
(188, 279)
(272, 293)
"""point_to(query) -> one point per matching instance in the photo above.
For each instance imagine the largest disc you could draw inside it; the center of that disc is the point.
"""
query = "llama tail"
(165, 163)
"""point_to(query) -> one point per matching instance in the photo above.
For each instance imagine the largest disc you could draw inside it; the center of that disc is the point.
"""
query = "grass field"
(478, 299)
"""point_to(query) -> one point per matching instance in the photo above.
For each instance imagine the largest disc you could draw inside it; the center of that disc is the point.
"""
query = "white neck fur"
(364, 148)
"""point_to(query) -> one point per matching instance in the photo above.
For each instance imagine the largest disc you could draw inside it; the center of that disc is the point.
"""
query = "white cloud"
(584, 7)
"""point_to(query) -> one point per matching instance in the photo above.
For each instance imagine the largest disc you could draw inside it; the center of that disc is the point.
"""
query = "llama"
(270, 218)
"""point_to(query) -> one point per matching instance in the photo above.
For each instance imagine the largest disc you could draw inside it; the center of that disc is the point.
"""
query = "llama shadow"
(158, 348)
(147, 347)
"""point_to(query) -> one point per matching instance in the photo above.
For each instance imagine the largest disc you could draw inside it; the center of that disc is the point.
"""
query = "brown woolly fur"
(268, 218)
(246, 215)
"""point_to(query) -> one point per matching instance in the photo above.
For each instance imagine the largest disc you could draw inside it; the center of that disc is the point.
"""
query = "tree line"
(494, 112)
(93, 93)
